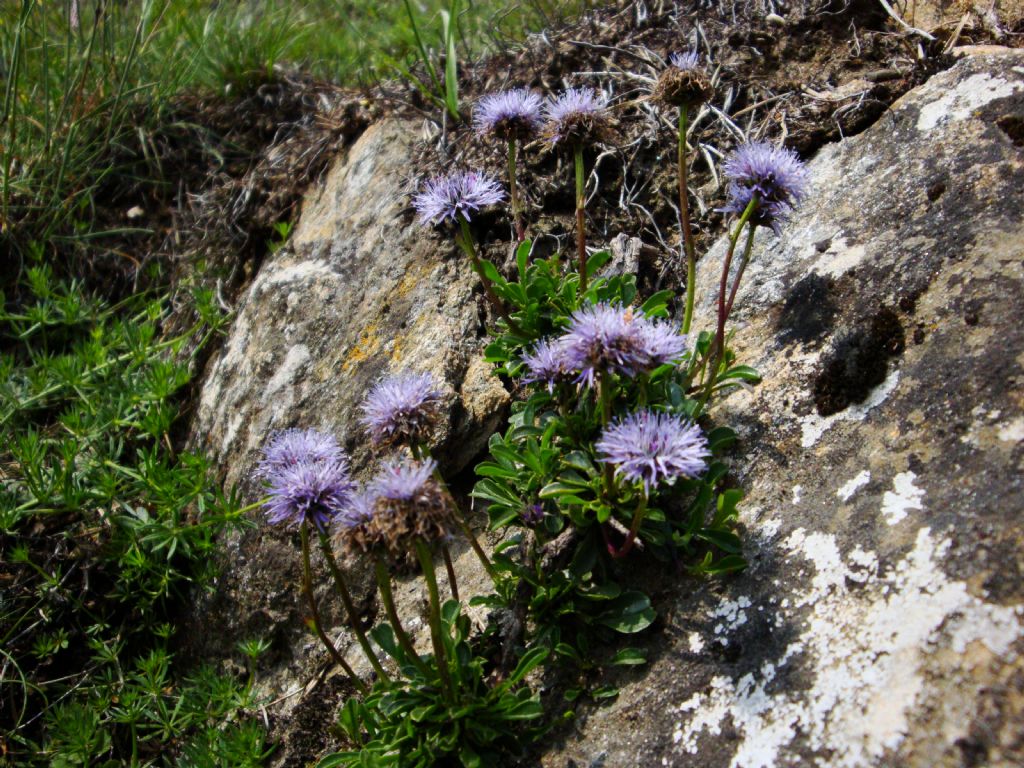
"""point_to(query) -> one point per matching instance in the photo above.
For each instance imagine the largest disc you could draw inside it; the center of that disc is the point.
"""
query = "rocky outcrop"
(360, 291)
(881, 621)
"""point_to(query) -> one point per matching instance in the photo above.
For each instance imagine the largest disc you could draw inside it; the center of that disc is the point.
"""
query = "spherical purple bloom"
(576, 115)
(532, 514)
(459, 194)
(547, 363)
(775, 174)
(294, 446)
(684, 61)
(514, 114)
(651, 447)
(308, 492)
(614, 338)
(401, 480)
(402, 409)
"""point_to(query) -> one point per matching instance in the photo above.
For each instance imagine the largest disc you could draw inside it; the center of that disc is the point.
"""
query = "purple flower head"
(403, 480)
(577, 114)
(402, 409)
(776, 175)
(651, 448)
(618, 339)
(308, 492)
(359, 510)
(449, 197)
(514, 114)
(684, 61)
(295, 446)
(547, 363)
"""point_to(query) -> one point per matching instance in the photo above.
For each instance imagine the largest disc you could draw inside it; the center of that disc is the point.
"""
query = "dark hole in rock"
(973, 751)
(809, 311)
(936, 190)
(1013, 126)
(859, 363)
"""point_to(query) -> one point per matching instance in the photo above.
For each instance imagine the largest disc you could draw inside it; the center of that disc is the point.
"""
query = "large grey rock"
(362, 290)
(881, 620)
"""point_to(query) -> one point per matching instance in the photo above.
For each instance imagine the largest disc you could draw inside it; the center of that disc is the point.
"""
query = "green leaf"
(523, 258)
(597, 261)
(656, 305)
(742, 372)
(724, 540)
(629, 613)
(530, 661)
(604, 692)
(628, 657)
(493, 274)
(720, 438)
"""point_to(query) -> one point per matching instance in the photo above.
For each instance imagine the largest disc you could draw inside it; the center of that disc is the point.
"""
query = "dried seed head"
(684, 83)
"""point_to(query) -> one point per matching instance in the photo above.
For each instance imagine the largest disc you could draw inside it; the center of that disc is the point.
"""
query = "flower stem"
(440, 657)
(517, 214)
(450, 568)
(744, 260)
(350, 609)
(634, 529)
(388, 599)
(420, 451)
(307, 588)
(605, 398)
(581, 199)
(466, 241)
(716, 352)
(684, 215)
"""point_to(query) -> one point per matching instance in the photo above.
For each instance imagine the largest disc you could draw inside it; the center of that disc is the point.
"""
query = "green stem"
(684, 215)
(517, 216)
(605, 398)
(388, 599)
(422, 451)
(449, 566)
(466, 241)
(744, 260)
(440, 657)
(350, 609)
(307, 588)
(634, 529)
(581, 200)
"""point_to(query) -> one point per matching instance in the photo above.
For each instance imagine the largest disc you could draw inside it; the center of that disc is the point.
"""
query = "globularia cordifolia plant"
(608, 455)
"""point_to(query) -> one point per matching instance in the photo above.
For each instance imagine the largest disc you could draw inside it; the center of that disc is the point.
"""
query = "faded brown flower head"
(403, 503)
(684, 83)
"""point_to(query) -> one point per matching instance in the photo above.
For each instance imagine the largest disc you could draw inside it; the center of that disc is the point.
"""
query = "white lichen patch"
(840, 258)
(731, 614)
(867, 650)
(280, 390)
(961, 101)
(797, 493)
(1013, 431)
(854, 484)
(695, 642)
(814, 426)
(903, 497)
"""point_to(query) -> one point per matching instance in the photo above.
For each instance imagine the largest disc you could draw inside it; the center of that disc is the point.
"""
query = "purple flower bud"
(454, 196)
(514, 114)
(578, 114)
(547, 363)
(532, 514)
(402, 410)
(650, 448)
(776, 175)
(297, 446)
(308, 492)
